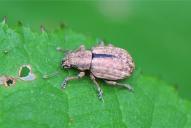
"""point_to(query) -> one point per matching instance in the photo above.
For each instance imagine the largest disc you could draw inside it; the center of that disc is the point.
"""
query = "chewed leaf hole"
(7, 80)
(24, 71)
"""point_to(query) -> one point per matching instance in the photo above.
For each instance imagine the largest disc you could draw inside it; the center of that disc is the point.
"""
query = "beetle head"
(65, 63)
(77, 59)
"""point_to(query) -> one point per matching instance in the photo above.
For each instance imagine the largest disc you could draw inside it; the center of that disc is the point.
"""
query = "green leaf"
(41, 103)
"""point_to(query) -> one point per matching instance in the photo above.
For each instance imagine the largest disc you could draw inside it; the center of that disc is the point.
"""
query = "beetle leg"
(64, 83)
(81, 48)
(101, 43)
(124, 85)
(100, 92)
(110, 45)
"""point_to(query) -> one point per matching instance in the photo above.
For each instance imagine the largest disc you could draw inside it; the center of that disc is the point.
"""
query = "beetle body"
(111, 63)
(105, 62)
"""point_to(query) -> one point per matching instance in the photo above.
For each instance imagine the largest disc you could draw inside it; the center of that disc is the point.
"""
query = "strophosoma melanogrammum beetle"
(104, 62)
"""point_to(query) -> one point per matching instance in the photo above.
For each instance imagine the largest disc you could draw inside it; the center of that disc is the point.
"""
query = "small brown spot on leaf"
(7, 81)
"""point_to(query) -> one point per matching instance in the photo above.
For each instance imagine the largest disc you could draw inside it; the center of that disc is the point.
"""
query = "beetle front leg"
(123, 85)
(101, 43)
(100, 92)
(64, 83)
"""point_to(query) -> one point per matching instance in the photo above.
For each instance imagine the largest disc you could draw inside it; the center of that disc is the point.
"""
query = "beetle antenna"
(46, 76)
(59, 49)
(62, 50)
(66, 52)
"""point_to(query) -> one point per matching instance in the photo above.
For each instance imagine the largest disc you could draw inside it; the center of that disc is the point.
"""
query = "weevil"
(102, 62)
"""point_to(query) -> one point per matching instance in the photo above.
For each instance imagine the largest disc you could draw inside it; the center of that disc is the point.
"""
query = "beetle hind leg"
(120, 84)
(100, 92)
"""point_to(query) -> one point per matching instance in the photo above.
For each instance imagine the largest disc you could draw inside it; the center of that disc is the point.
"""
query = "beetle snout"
(64, 64)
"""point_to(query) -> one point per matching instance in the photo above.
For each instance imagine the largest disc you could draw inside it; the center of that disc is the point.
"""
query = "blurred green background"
(156, 33)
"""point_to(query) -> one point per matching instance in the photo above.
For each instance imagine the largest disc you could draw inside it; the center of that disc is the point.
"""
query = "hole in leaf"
(9, 82)
(24, 71)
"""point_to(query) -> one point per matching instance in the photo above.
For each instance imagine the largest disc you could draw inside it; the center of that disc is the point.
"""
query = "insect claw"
(130, 88)
(101, 98)
(100, 95)
(63, 85)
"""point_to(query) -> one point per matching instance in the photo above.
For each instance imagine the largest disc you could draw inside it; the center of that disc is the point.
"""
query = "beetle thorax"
(80, 60)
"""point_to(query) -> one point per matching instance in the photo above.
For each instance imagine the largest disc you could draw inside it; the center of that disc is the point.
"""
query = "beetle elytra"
(104, 62)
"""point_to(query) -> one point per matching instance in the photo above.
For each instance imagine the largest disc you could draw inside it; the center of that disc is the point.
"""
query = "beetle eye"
(62, 63)
(66, 66)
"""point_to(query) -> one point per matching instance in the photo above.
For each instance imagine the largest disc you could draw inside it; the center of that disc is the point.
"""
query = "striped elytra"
(111, 63)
